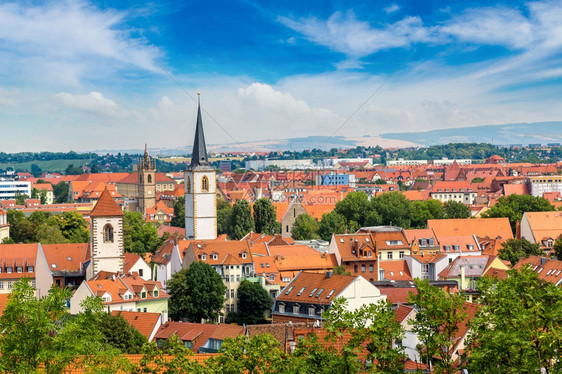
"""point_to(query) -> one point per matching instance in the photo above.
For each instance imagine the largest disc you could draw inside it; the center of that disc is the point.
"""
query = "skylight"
(289, 290)
(331, 293)
(302, 289)
(54, 266)
(319, 292)
(312, 292)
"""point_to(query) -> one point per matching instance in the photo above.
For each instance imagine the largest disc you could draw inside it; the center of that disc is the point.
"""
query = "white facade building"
(11, 189)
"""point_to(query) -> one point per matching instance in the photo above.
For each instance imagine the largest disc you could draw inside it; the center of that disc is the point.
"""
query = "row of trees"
(516, 328)
(71, 227)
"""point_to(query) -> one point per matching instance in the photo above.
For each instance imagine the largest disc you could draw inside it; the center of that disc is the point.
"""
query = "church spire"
(199, 154)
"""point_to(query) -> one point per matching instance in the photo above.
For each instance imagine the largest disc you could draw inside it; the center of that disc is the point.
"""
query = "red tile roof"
(106, 206)
(66, 257)
(302, 287)
(397, 295)
(144, 322)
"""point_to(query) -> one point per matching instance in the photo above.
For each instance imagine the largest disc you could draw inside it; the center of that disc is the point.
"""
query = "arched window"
(149, 178)
(108, 233)
(188, 184)
(205, 184)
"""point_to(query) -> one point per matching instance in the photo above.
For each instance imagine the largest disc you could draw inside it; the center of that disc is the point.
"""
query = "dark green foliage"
(340, 270)
(437, 319)
(513, 250)
(253, 302)
(179, 213)
(331, 223)
(224, 211)
(558, 248)
(40, 226)
(454, 209)
(139, 236)
(241, 221)
(120, 335)
(514, 206)
(519, 329)
(305, 227)
(72, 170)
(393, 208)
(60, 191)
(425, 210)
(265, 217)
(196, 293)
(355, 208)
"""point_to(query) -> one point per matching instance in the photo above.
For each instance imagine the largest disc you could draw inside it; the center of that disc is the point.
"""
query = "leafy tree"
(60, 191)
(119, 334)
(265, 217)
(477, 180)
(454, 209)
(36, 170)
(354, 207)
(514, 206)
(179, 213)
(438, 316)
(72, 170)
(73, 226)
(21, 229)
(46, 234)
(331, 223)
(241, 220)
(558, 248)
(260, 354)
(20, 198)
(340, 270)
(139, 236)
(394, 209)
(514, 249)
(224, 211)
(519, 328)
(305, 227)
(196, 293)
(425, 210)
(253, 302)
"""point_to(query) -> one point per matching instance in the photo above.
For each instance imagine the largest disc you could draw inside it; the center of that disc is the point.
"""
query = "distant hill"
(513, 133)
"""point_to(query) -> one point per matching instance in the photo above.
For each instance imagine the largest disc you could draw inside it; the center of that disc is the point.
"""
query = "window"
(401, 254)
(9, 269)
(371, 268)
(355, 268)
(232, 278)
(143, 295)
(238, 278)
(149, 178)
(232, 293)
(188, 184)
(215, 256)
(425, 268)
(244, 255)
(389, 255)
(362, 268)
(381, 274)
(296, 309)
(311, 311)
(1, 285)
(30, 269)
(272, 278)
(281, 308)
(155, 293)
(108, 233)
(205, 184)
(19, 269)
(144, 310)
(140, 272)
(9, 285)
(203, 257)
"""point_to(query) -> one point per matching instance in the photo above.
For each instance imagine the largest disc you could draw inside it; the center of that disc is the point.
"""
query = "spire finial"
(198, 98)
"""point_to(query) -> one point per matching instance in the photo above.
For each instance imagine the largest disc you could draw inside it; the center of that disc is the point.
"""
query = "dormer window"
(282, 308)
(108, 233)
(143, 295)
(244, 255)
(19, 269)
(9, 269)
(155, 293)
(203, 257)
(215, 256)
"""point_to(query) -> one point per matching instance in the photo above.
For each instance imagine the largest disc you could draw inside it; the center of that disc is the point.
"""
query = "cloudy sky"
(80, 75)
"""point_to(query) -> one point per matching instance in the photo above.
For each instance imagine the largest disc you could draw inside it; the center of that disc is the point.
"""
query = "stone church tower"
(147, 182)
(200, 190)
(107, 249)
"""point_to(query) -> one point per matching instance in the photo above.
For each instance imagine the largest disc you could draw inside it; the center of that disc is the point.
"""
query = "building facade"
(147, 182)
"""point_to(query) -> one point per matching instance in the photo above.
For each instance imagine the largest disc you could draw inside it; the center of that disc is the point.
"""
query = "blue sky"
(96, 75)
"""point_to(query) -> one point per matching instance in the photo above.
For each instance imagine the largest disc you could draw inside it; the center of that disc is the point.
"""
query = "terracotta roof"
(402, 312)
(517, 189)
(396, 270)
(429, 258)
(218, 252)
(354, 247)
(144, 322)
(549, 270)
(197, 333)
(544, 224)
(292, 250)
(66, 257)
(106, 206)
(397, 295)
(302, 287)
(3, 302)
(496, 228)
(170, 229)
(13, 255)
(130, 260)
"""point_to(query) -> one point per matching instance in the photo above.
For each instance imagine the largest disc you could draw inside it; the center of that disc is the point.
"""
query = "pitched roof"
(199, 153)
(549, 270)
(66, 257)
(397, 295)
(315, 288)
(474, 266)
(396, 270)
(106, 206)
(129, 261)
(144, 322)
(498, 228)
(544, 224)
(402, 312)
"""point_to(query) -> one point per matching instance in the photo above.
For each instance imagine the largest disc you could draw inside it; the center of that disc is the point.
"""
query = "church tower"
(200, 190)
(107, 249)
(147, 182)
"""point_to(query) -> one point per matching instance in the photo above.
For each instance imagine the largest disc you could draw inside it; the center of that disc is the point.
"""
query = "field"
(49, 165)
(176, 160)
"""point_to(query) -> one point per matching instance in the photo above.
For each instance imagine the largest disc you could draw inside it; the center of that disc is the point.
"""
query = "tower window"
(205, 184)
(149, 178)
(108, 233)
(188, 185)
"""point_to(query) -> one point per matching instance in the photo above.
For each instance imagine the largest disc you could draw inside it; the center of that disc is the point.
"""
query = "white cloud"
(93, 103)
(392, 8)
(7, 97)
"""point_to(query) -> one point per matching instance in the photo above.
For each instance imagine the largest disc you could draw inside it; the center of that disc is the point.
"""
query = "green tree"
(60, 191)
(73, 226)
(179, 213)
(139, 236)
(438, 316)
(224, 211)
(454, 209)
(72, 170)
(196, 293)
(513, 250)
(119, 334)
(514, 206)
(394, 208)
(558, 248)
(241, 220)
(21, 229)
(340, 270)
(426, 210)
(253, 302)
(20, 198)
(355, 207)
(331, 223)
(46, 234)
(261, 354)
(477, 180)
(265, 217)
(519, 328)
(36, 170)
(305, 227)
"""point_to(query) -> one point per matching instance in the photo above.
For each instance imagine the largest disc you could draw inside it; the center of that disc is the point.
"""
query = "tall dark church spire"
(199, 154)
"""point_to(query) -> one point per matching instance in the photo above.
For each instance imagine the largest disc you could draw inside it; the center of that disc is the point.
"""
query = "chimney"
(164, 317)
(543, 261)
(329, 274)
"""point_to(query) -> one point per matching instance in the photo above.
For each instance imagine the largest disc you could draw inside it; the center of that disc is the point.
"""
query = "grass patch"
(46, 165)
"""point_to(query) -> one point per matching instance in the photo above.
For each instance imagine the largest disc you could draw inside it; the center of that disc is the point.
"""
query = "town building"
(538, 185)
(4, 225)
(16, 261)
(13, 189)
(146, 183)
(542, 228)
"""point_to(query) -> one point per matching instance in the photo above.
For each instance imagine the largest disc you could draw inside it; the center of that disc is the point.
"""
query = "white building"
(546, 183)
(11, 189)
